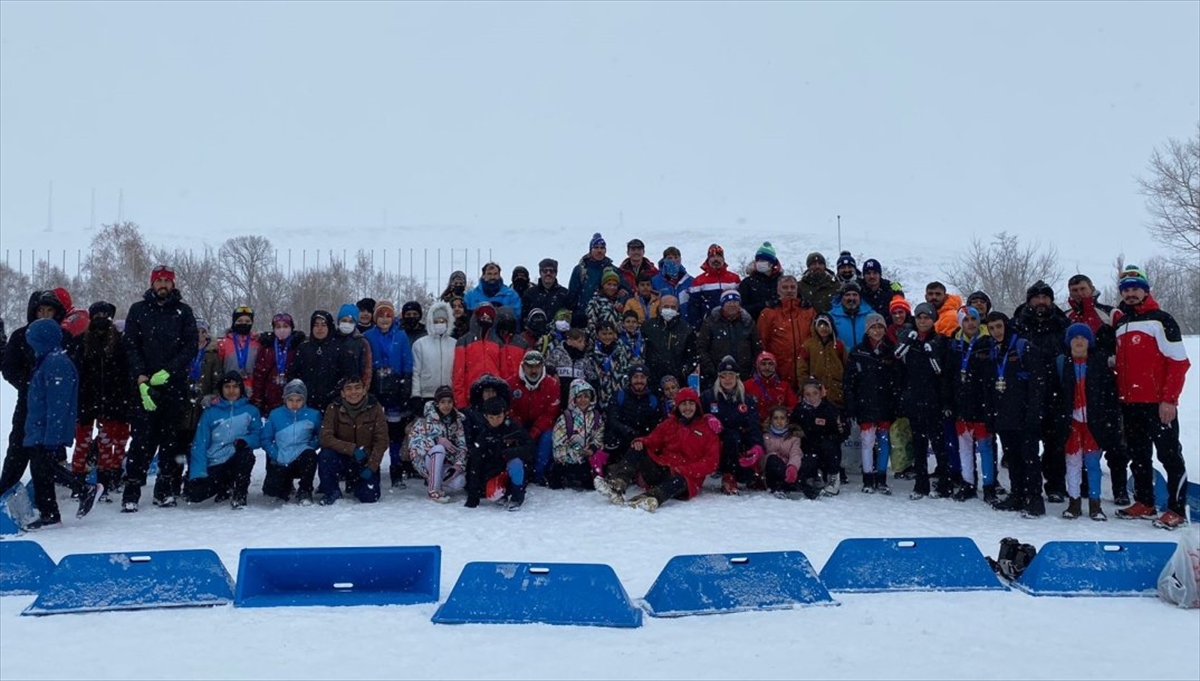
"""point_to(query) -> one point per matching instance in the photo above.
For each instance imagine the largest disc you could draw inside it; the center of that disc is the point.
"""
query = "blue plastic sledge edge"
(909, 564)
(1086, 568)
(95, 582)
(335, 576)
(735, 582)
(24, 567)
(548, 593)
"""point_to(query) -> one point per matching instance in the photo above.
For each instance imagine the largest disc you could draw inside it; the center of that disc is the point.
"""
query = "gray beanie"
(875, 318)
(295, 387)
(925, 309)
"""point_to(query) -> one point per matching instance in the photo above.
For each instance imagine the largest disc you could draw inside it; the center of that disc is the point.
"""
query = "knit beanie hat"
(162, 272)
(485, 312)
(412, 306)
(766, 252)
(283, 318)
(715, 249)
(872, 265)
(844, 258)
(242, 311)
(967, 310)
(875, 318)
(731, 295)
(980, 295)
(899, 303)
(443, 392)
(597, 240)
(385, 305)
(1133, 277)
(1078, 329)
(925, 309)
(350, 311)
(295, 387)
(609, 274)
(727, 364)
(814, 258)
(1039, 288)
(109, 310)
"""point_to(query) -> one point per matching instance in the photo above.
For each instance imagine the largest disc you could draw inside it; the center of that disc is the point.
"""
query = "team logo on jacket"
(714, 409)
(742, 407)
(517, 394)
(1135, 339)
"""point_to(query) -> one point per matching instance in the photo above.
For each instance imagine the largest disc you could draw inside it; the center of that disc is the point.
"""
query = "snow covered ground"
(912, 636)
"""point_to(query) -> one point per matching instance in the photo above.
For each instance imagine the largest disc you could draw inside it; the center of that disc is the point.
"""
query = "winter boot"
(1074, 509)
(647, 502)
(881, 485)
(1012, 502)
(944, 488)
(833, 486)
(989, 494)
(1095, 512)
(965, 492)
(729, 484)
(88, 499)
(612, 488)
(1035, 507)
(869, 483)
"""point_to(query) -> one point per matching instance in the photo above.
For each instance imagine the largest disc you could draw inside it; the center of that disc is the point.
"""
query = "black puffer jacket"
(161, 336)
(669, 349)
(105, 388)
(871, 383)
(972, 379)
(720, 336)
(318, 364)
(924, 392)
(630, 416)
(1018, 406)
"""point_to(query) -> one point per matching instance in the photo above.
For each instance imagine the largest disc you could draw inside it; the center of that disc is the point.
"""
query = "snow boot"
(729, 484)
(1035, 507)
(989, 494)
(1012, 502)
(1074, 509)
(1095, 512)
(647, 502)
(965, 492)
(869, 482)
(88, 499)
(612, 489)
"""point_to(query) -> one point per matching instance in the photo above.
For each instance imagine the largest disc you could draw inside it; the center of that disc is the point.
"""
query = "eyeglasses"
(549, 270)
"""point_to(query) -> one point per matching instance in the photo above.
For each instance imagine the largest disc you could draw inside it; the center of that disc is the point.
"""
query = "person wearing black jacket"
(972, 376)
(824, 432)
(632, 413)
(317, 362)
(1017, 393)
(1043, 324)
(924, 399)
(160, 343)
(741, 433)
(547, 294)
(499, 452)
(870, 389)
(105, 397)
(1088, 415)
(669, 343)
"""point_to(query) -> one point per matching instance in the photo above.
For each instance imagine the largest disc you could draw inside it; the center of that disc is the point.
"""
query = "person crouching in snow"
(438, 443)
(824, 433)
(1089, 416)
(578, 436)
(223, 451)
(354, 438)
(498, 453)
(290, 438)
(741, 433)
(782, 464)
(669, 463)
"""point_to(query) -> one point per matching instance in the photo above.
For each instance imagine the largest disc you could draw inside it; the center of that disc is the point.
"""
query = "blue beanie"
(348, 310)
(1078, 329)
(597, 240)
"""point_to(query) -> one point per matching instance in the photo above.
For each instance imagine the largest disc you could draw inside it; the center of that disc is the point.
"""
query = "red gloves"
(714, 424)
(751, 457)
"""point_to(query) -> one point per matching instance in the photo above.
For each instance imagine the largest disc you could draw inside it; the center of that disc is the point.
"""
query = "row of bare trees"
(242, 271)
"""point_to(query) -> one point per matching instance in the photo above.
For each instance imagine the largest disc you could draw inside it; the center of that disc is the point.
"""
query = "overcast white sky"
(944, 119)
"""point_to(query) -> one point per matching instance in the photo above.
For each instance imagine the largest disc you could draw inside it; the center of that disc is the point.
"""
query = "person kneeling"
(498, 452)
(578, 440)
(354, 438)
(438, 444)
(290, 438)
(223, 451)
(669, 463)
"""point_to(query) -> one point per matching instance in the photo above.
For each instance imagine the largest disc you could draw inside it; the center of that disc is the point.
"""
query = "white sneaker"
(833, 487)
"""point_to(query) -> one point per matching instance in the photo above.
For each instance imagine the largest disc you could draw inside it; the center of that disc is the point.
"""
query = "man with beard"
(878, 292)
(817, 284)
(669, 343)
(585, 278)
(160, 342)
(491, 289)
(1044, 325)
(547, 295)
(709, 288)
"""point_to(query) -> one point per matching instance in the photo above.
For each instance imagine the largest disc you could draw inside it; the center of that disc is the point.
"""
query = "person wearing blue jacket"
(391, 382)
(223, 451)
(53, 400)
(491, 289)
(290, 438)
(850, 315)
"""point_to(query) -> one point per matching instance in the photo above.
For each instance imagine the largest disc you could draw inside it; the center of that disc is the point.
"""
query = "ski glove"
(160, 377)
(714, 424)
(366, 473)
(598, 461)
(360, 454)
(790, 475)
(147, 403)
(751, 457)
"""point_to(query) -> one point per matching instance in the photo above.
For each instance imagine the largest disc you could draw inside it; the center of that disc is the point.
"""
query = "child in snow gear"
(871, 385)
(498, 453)
(223, 451)
(354, 438)
(290, 437)
(438, 443)
(824, 431)
(578, 440)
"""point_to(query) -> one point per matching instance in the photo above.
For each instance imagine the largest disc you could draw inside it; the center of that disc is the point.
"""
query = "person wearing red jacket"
(1151, 365)
(767, 387)
(492, 347)
(669, 463)
(536, 404)
(706, 290)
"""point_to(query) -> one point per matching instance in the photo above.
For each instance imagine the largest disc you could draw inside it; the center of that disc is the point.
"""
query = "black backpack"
(1012, 560)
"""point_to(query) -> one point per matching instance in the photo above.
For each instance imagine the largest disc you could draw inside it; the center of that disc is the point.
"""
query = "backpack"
(1012, 559)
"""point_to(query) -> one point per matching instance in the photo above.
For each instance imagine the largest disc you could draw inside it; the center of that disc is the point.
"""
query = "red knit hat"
(687, 395)
(715, 249)
(162, 272)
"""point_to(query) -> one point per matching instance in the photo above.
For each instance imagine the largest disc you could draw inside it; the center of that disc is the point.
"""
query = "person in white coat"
(433, 356)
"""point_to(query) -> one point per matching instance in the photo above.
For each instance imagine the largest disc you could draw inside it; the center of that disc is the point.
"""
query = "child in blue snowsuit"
(223, 451)
(290, 438)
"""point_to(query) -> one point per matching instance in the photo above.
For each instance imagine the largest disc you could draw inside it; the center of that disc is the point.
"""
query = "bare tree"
(248, 275)
(316, 289)
(1004, 269)
(198, 280)
(1176, 288)
(15, 288)
(118, 266)
(1173, 195)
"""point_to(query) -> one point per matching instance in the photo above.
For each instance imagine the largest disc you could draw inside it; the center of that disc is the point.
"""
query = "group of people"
(634, 373)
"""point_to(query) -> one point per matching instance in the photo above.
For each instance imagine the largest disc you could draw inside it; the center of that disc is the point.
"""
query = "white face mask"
(669, 313)
(762, 266)
(440, 328)
(283, 333)
(346, 327)
(562, 325)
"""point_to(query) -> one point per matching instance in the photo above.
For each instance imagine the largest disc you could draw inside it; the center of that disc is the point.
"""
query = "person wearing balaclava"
(456, 286)
(520, 280)
(238, 350)
(104, 397)
(412, 321)
(354, 352)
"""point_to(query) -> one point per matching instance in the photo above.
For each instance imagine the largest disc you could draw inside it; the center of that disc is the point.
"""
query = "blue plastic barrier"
(17, 509)
(1193, 497)
(92, 582)
(917, 564)
(24, 567)
(1085, 568)
(735, 582)
(380, 575)
(549, 593)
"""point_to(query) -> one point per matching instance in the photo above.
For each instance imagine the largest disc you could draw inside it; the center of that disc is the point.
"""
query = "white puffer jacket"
(433, 355)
